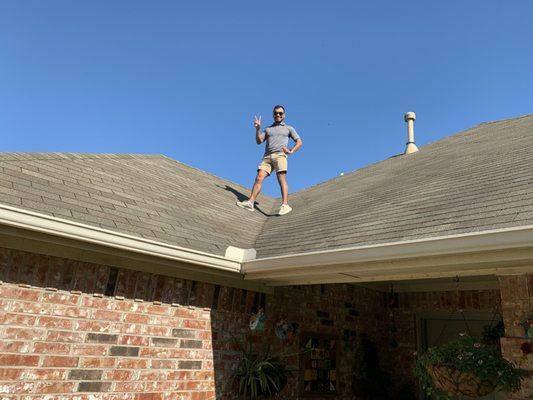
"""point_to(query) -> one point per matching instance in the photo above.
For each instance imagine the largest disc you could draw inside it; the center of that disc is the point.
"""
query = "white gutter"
(37, 222)
(496, 239)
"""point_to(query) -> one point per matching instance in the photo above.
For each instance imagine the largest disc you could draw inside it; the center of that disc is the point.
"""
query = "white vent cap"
(410, 117)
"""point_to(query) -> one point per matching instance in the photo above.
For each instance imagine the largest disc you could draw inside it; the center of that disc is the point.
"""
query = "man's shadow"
(241, 197)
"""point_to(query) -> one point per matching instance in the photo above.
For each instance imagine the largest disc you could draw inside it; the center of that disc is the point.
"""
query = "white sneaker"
(284, 209)
(246, 204)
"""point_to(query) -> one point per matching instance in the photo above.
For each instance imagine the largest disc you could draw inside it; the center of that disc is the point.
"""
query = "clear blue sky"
(186, 78)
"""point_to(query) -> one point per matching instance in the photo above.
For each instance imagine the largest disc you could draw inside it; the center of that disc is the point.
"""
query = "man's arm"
(294, 149)
(259, 137)
(296, 139)
(297, 146)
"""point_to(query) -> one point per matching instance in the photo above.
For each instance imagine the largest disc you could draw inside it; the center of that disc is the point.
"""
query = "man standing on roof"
(275, 157)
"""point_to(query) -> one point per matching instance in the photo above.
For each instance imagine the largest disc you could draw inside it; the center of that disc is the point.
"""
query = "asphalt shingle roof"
(476, 180)
(153, 197)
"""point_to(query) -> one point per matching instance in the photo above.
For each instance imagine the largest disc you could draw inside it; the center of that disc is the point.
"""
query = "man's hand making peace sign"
(257, 123)
(259, 137)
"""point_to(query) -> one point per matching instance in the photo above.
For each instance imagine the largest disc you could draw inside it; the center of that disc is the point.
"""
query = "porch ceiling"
(407, 270)
(481, 282)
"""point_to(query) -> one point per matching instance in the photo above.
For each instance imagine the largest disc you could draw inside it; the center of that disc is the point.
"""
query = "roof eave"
(388, 261)
(37, 222)
(289, 267)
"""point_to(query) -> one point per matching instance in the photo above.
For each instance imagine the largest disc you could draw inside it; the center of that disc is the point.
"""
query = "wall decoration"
(257, 321)
(285, 330)
(318, 364)
(527, 324)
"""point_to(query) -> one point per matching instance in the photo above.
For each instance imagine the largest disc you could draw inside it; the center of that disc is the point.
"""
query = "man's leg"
(262, 172)
(256, 189)
(282, 179)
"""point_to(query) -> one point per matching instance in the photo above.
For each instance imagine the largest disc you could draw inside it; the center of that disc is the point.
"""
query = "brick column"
(517, 300)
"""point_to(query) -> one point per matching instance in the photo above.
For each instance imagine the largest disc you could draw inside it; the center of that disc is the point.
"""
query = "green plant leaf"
(470, 355)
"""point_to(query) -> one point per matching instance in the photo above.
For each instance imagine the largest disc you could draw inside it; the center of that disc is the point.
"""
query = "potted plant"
(260, 373)
(466, 367)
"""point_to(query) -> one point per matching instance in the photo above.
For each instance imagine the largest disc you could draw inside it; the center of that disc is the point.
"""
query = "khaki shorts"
(274, 161)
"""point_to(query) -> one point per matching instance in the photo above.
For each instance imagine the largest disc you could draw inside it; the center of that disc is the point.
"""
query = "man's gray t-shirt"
(277, 137)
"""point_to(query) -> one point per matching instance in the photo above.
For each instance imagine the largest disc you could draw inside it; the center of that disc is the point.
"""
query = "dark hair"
(278, 106)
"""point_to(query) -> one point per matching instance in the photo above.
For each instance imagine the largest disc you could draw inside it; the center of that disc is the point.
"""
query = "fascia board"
(496, 239)
(16, 217)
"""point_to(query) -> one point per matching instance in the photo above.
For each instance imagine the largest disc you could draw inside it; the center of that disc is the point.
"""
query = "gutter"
(496, 239)
(33, 221)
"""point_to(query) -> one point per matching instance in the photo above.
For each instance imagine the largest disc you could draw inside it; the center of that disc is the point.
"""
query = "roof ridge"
(72, 155)
(503, 120)
(395, 156)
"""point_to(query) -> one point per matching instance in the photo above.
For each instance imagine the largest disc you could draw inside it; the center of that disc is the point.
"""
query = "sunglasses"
(278, 113)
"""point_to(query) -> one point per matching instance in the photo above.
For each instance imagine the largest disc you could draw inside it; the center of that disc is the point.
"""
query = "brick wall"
(337, 310)
(517, 302)
(76, 330)
(62, 338)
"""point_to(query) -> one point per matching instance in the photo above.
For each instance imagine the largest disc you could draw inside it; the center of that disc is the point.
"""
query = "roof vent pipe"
(410, 117)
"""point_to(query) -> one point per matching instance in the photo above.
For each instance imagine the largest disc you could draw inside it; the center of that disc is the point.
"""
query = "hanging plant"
(466, 367)
(492, 334)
